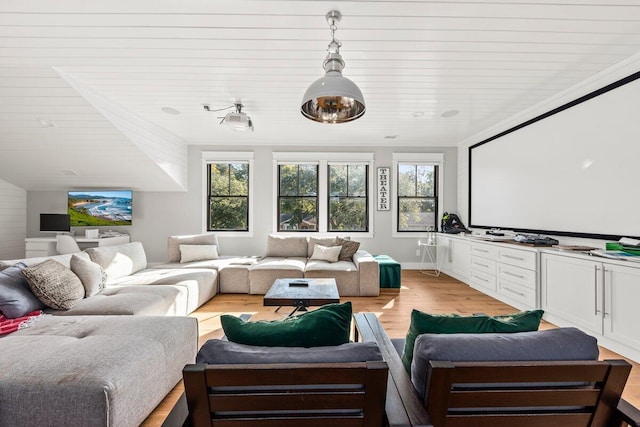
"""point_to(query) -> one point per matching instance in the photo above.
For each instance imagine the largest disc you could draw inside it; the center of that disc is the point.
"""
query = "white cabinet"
(621, 296)
(454, 256)
(508, 274)
(571, 288)
(483, 267)
(36, 247)
(598, 296)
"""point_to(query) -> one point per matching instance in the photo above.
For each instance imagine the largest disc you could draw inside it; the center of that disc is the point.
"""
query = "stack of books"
(626, 249)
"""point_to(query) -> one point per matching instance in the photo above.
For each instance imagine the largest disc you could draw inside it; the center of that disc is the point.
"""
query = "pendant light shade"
(333, 98)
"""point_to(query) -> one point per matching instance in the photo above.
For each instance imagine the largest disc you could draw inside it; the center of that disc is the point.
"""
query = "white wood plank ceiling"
(102, 71)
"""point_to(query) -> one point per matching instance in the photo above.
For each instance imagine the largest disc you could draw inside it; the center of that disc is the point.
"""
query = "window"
(418, 185)
(322, 192)
(227, 182)
(348, 197)
(228, 197)
(298, 197)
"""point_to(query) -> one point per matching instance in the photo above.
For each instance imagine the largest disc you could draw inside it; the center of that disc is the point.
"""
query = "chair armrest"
(368, 273)
(628, 413)
(179, 414)
(403, 406)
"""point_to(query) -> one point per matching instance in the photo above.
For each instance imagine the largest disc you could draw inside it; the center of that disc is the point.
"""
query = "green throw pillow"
(423, 323)
(328, 325)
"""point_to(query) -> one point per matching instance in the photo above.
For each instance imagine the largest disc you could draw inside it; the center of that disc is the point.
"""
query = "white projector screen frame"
(573, 171)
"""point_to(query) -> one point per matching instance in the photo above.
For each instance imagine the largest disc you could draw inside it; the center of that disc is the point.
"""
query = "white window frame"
(323, 160)
(209, 157)
(431, 159)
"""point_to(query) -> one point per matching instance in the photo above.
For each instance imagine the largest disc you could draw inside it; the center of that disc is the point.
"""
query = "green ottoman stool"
(390, 272)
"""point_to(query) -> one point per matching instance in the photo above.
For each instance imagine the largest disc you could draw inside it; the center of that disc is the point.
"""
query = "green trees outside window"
(348, 197)
(228, 197)
(298, 197)
(417, 196)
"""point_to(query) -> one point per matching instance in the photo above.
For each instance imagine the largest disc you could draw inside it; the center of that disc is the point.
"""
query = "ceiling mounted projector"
(236, 120)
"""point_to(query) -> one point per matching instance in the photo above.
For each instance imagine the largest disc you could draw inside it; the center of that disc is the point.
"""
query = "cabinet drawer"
(517, 292)
(37, 246)
(518, 275)
(484, 251)
(35, 254)
(484, 265)
(524, 259)
(483, 280)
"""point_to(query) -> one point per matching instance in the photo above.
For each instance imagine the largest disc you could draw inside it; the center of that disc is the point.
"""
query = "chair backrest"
(283, 395)
(525, 394)
(66, 244)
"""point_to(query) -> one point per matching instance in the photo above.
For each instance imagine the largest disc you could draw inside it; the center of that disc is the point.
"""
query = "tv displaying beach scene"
(100, 208)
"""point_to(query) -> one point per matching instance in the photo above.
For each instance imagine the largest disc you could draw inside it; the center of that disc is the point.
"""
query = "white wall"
(157, 215)
(600, 80)
(13, 220)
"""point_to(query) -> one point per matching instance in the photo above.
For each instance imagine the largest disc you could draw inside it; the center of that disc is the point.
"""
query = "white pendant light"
(333, 98)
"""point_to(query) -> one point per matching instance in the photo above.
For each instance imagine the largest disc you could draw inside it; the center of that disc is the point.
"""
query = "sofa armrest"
(368, 273)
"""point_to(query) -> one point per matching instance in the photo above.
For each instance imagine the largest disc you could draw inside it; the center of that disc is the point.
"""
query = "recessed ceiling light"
(169, 110)
(418, 114)
(45, 123)
(450, 113)
(390, 136)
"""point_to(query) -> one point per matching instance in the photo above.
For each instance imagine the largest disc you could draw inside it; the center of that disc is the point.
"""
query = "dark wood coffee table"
(301, 293)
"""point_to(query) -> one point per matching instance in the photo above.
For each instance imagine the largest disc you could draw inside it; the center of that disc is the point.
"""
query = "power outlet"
(418, 252)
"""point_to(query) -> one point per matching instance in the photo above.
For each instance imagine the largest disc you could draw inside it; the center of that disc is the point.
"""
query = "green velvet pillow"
(327, 325)
(423, 323)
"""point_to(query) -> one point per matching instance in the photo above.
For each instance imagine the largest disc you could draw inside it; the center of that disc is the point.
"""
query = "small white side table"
(427, 252)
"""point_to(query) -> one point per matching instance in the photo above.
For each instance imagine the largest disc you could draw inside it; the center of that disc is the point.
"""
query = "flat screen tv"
(100, 208)
(54, 223)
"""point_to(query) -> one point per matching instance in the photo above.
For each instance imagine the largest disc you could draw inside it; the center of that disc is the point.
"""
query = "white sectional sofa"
(113, 356)
(285, 257)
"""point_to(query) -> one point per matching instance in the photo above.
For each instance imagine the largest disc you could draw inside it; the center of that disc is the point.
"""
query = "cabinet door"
(622, 293)
(572, 290)
(461, 258)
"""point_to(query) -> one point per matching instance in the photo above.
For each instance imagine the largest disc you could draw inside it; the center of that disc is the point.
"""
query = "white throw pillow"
(92, 276)
(326, 253)
(190, 253)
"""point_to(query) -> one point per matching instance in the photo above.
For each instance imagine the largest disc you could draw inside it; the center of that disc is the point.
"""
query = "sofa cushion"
(552, 344)
(190, 253)
(92, 276)
(141, 300)
(16, 298)
(221, 352)
(327, 325)
(424, 323)
(326, 253)
(349, 248)
(286, 246)
(119, 260)
(200, 284)
(174, 242)
(92, 370)
(54, 284)
(324, 241)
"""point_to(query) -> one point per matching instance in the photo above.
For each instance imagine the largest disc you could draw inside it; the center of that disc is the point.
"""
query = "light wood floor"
(439, 295)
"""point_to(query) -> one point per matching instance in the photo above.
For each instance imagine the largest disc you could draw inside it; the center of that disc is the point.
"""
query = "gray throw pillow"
(92, 276)
(349, 248)
(216, 351)
(54, 284)
(16, 299)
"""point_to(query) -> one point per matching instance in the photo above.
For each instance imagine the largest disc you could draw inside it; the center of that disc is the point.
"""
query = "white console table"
(46, 246)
